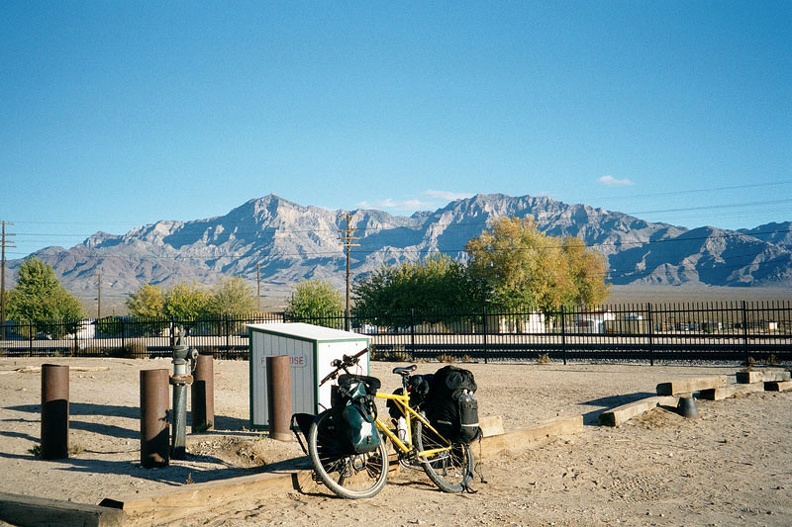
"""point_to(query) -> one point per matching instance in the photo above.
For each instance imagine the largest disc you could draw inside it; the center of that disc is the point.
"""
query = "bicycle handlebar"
(343, 363)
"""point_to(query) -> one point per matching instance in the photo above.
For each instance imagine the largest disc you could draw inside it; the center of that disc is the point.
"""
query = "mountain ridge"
(286, 242)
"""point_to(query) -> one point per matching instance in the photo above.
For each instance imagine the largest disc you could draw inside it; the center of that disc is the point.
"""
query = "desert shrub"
(396, 354)
(133, 349)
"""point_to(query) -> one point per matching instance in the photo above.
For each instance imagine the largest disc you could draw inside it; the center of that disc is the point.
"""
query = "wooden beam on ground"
(689, 386)
(491, 426)
(625, 412)
(29, 511)
(171, 505)
(522, 439)
(778, 386)
(730, 390)
(749, 377)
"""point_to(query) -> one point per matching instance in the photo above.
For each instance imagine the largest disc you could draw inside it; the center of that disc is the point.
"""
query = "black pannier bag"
(354, 411)
(452, 407)
(418, 387)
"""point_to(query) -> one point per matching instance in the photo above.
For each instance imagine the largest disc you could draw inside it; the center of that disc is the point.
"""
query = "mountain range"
(275, 243)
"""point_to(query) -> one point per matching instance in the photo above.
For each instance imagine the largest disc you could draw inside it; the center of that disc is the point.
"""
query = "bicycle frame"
(402, 402)
(449, 466)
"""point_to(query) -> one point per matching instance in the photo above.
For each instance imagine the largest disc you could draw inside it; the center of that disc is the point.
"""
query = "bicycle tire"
(352, 476)
(451, 471)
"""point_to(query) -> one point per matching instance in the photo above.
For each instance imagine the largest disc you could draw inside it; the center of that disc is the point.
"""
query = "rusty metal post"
(202, 394)
(279, 395)
(54, 411)
(154, 429)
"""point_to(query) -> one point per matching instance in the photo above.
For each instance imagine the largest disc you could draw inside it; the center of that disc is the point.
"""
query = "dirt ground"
(732, 467)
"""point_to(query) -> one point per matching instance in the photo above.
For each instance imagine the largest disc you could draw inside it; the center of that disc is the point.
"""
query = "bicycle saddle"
(405, 370)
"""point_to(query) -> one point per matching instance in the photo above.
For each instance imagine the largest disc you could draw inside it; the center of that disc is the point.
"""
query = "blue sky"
(115, 114)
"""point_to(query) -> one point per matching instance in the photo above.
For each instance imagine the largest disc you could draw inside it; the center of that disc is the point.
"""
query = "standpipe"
(183, 361)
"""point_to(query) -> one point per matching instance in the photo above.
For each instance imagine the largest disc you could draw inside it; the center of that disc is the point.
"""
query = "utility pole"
(99, 296)
(347, 241)
(4, 242)
(258, 288)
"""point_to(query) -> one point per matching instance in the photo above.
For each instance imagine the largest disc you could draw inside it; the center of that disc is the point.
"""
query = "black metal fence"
(723, 331)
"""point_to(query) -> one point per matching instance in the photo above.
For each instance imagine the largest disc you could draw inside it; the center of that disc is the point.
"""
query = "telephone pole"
(258, 288)
(99, 296)
(347, 241)
(4, 243)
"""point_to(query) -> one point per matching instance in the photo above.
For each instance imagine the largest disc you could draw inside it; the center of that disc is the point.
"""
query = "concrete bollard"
(202, 395)
(279, 392)
(154, 428)
(54, 411)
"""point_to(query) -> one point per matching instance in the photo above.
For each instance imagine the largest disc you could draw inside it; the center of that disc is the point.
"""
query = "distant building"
(594, 322)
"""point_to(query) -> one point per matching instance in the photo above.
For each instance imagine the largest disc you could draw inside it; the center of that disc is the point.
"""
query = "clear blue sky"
(115, 114)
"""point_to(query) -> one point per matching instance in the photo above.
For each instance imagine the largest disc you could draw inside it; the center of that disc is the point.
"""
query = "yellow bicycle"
(415, 441)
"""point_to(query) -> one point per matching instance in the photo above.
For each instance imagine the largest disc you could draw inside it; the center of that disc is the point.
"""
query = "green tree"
(231, 300)
(317, 302)
(186, 302)
(524, 269)
(38, 297)
(588, 270)
(232, 297)
(147, 302)
(430, 289)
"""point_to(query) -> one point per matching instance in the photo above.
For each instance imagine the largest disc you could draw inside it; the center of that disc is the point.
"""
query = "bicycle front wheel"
(451, 470)
(352, 476)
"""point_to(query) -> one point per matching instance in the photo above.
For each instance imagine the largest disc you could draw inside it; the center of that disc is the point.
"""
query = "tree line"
(511, 266)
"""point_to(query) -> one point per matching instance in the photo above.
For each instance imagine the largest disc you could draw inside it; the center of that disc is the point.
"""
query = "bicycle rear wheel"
(450, 470)
(349, 476)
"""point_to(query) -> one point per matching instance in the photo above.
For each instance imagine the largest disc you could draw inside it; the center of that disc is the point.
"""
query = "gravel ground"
(731, 467)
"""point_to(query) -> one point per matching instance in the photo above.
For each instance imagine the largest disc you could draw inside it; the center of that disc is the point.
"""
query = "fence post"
(484, 331)
(563, 335)
(412, 332)
(651, 333)
(228, 333)
(745, 331)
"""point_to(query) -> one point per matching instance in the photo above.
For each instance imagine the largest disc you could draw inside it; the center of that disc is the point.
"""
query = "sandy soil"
(731, 467)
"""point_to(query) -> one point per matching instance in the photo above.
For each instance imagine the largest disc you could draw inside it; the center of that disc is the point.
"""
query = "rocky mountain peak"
(288, 242)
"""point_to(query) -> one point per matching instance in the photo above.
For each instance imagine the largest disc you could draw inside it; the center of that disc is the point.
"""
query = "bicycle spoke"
(347, 475)
(451, 470)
